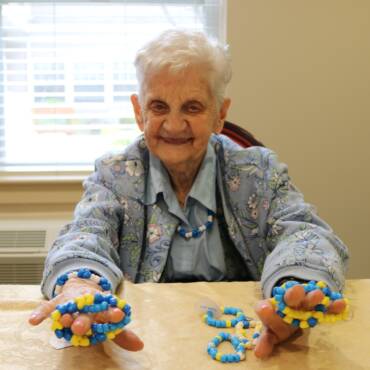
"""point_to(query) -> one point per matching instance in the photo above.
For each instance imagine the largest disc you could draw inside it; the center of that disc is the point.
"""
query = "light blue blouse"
(195, 258)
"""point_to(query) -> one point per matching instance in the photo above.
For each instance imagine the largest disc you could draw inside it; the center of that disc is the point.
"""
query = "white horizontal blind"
(66, 73)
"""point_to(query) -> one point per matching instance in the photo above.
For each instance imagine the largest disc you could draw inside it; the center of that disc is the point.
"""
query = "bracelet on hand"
(82, 273)
(90, 304)
(306, 319)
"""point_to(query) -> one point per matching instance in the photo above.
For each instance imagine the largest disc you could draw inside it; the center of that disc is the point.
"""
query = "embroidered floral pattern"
(134, 168)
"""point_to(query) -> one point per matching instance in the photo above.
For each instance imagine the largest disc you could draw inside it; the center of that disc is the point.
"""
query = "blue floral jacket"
(275, 232)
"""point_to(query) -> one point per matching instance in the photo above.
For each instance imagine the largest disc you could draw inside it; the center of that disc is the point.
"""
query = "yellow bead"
(325, 301)
(84, 342)
(56, 325)
(218, 337)
(117, 331)
(75, 340)
(218, 356)
(321, 284)
(89, 332)
(273, 301)
(56, 315)
(80, 301)
(303, 325)
(89, 299)
(287, 310)
(318, 315)
(288, 319)
(228, 323)
(121, 303)
(111, 335)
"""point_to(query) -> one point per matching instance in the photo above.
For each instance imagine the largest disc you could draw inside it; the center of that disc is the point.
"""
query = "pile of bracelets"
(297, 318)
(89, 304)
(238, 340)
(308, 319)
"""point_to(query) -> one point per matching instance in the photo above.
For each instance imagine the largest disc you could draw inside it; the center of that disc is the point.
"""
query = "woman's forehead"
(187, 84)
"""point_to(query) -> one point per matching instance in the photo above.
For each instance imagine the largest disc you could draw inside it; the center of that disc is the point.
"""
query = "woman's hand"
(275, 329)
(76, 287)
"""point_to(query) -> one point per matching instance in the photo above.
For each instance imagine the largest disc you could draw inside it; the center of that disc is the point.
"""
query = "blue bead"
(312, 322)
(195, 233)
(208, 224)
(98, 298)
(93, 340)
(101, 337)
(290, 284)
(335, 295)
(281, 306)
(320, 308)
(59, 333)
(255, 335)
(99, 328)
(105, 328)
(104, 306)
(296, 323)
(281, 314)
(279, 297)
(182, 232)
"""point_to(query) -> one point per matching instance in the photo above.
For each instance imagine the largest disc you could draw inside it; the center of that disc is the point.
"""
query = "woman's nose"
(175, 122)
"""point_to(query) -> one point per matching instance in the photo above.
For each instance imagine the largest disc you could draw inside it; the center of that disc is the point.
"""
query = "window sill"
(44, 175)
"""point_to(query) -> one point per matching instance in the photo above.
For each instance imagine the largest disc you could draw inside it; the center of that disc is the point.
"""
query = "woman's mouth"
(176, 141)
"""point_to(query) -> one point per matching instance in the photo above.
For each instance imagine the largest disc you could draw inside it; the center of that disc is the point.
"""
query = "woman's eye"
(158, 107)
(193, 108)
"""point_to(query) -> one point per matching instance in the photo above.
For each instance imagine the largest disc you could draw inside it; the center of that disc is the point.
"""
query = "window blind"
(66, 73)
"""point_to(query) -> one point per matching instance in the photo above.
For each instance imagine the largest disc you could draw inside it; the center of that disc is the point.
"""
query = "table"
(164, 315)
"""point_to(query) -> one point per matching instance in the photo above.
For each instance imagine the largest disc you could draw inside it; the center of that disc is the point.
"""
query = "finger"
(114, 315)
(81, 324)
(44, 310)
(265, 344)
(272, 320)
(312, 299)
(337, 306)
(66, 320)
(129, 340)
(294, 296)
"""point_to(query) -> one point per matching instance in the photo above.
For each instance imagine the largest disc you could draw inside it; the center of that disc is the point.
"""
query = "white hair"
(177, 50)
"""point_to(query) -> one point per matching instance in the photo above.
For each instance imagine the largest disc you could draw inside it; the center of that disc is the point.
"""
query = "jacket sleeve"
(91, 240)
(300, 244)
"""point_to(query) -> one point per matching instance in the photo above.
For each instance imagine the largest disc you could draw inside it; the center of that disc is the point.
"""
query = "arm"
(92, 239)
(301, 245)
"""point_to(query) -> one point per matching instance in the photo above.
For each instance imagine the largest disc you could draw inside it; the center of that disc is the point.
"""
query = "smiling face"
(177, 114)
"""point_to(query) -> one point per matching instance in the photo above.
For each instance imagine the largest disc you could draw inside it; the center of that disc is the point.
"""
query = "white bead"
(188, 235)
(202, 228)
(241, 355)
(95, 278)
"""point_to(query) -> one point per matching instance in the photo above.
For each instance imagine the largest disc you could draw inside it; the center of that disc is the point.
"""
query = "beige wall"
(301, 84)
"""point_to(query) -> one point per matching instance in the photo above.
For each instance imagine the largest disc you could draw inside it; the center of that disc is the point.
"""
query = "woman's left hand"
(275, 329)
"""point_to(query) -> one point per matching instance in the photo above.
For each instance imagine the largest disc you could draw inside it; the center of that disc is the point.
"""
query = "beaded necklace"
(196, 232)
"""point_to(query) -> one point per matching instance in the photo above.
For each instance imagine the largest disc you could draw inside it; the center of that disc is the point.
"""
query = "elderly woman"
(185, 203)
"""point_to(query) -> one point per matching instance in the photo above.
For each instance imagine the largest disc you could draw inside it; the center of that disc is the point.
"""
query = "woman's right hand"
(76, 287)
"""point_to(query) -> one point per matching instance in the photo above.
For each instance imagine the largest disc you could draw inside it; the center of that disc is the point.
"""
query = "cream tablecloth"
(164, 315)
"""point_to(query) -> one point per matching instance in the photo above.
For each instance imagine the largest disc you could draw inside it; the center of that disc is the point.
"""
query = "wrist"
(82, 276)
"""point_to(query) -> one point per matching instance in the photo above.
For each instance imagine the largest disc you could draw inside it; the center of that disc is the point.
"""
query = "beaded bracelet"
(82, 273)
(89, 303)
(307, 319)
(209, 319)
(238, 340)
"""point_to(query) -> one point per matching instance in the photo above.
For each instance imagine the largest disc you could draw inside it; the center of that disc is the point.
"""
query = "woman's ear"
(222, 115)
(137, 110)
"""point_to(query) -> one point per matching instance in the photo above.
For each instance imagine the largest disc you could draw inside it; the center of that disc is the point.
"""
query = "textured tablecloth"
(165, 316)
